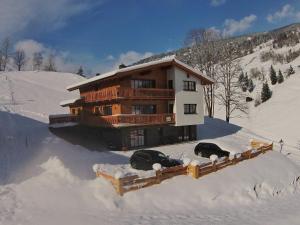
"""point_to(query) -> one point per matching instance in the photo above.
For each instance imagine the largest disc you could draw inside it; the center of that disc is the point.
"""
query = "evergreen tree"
(245, 83)
(266, 92)
(290, 71)
(273, 76)
(241, 77)
(280, 78)
(250, 85)
(80, 71)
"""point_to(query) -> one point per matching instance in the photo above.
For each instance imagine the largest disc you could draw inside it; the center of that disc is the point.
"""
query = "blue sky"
(101, 34)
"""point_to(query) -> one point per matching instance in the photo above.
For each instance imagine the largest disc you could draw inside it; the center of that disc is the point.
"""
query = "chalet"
(154, 103)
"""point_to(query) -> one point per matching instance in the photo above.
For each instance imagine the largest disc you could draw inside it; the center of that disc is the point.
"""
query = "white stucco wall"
(186, 97)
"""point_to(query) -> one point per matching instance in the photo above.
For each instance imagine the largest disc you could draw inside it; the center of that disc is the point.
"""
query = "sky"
(101, 34)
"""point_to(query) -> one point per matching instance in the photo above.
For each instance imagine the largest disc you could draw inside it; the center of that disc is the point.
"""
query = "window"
(190, 108)
(143, 83)
(189, 85)
(137, 138)
(107, 110)
(143, 109)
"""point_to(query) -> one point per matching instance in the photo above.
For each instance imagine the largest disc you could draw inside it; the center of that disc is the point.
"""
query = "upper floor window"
(189, 85)
(107, 110)
(190, 108)
(143, 83)
(143, 109)
(103, 110)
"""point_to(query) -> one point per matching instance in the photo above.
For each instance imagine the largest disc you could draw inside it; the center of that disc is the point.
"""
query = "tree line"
(19, 59)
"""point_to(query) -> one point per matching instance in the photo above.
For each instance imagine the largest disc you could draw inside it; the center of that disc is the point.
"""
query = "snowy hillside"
(47, 180)
(35, 94)
(279, 116)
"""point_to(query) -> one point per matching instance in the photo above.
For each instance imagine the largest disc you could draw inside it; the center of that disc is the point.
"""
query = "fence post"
(119, 187)
(158, 176)
(234, 160)
(194, 171)
(214, 166)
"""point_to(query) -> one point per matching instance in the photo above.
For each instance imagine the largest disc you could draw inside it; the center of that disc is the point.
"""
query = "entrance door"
(137, 138)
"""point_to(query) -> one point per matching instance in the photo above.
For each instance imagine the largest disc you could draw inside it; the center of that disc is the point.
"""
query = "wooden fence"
(134, 182)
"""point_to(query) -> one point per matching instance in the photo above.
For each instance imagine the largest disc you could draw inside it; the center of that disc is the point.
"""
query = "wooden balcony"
(67, 119)
(114, 93)
(128, 120)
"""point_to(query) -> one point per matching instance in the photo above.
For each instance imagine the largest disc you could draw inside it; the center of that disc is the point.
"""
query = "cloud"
(287, 11)
(18, 16)
(63, 59)
(110, 57)
(111, 62)
(30, 47)
(131, 57)
(232, 26)
(70, 62)
(217, 2)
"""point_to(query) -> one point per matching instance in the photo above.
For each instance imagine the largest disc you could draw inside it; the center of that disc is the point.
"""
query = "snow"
(135, 67)
(68, 102)
(156, 166)
(50, 179)
(66, 124)
(213, 158)
(186, 161)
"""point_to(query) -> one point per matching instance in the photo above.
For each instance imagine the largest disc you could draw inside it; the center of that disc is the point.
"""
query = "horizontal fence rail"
(134, 182)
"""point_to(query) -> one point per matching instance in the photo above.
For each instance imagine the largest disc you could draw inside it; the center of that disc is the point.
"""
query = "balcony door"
(137, 138)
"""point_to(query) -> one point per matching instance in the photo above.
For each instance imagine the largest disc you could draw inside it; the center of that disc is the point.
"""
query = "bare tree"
(19, 59)
(50, 64)
(37, 60)
(200, 35)
(205, 57)
(229, 93)
(5, 48)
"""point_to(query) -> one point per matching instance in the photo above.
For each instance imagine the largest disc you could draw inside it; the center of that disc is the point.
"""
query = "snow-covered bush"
(156, 166)
(96, 168)
(213, 158)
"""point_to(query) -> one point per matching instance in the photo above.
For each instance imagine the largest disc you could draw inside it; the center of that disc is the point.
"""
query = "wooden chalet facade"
(154, 103)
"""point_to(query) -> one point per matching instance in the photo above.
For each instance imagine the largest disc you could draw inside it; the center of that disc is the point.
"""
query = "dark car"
(144, 159)
(207, 149)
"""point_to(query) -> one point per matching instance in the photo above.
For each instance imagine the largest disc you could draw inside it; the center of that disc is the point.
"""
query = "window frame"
(189, 85)
(190, 109)
(141, 83)
(141, 109)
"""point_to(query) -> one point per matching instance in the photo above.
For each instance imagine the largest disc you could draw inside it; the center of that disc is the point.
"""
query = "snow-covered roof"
(69, 101)
(165, 60)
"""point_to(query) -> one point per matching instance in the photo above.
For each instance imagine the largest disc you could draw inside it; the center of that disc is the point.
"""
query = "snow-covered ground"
(45, 179)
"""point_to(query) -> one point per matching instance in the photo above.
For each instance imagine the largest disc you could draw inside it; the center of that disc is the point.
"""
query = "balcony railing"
(114, 120)
(111, 93)
(63, 118)
(129, 120)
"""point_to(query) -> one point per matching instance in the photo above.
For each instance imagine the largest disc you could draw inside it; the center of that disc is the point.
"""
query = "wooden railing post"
(158, 176)
(194, 171)
(119, 186)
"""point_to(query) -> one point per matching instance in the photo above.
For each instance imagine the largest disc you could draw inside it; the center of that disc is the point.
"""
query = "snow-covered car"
(145, 159)
(205, 149)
